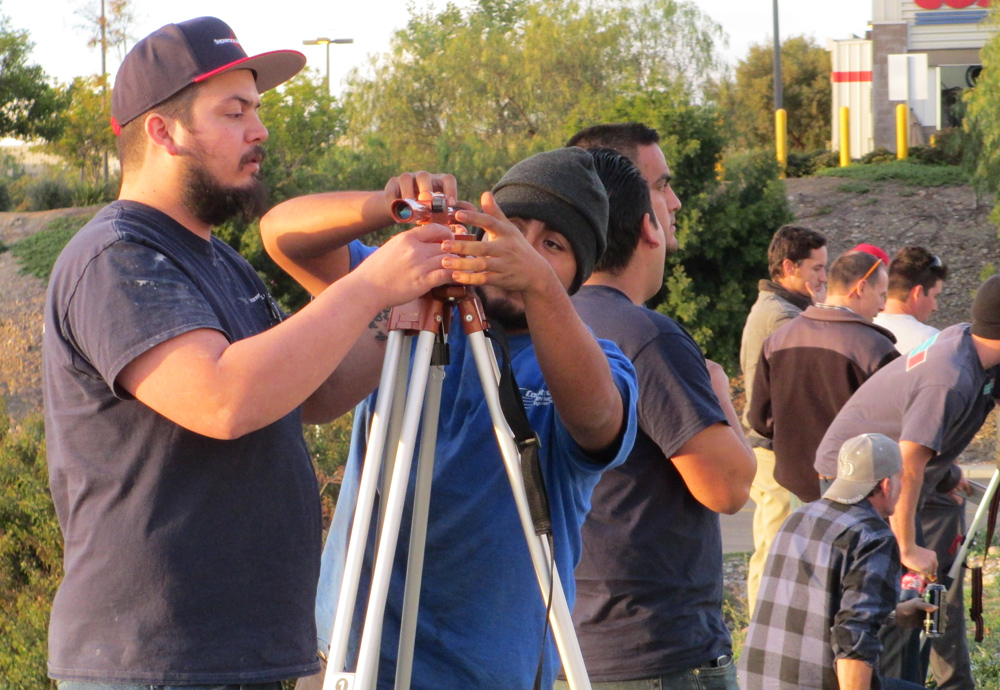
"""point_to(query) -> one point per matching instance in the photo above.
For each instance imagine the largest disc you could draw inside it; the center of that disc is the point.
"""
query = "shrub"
(47, 194)
(827, 159)
(30, 554)
(878, 155)
(802, 164)
(91, 193)
(6, 201)
(38, 253)
(904, 171)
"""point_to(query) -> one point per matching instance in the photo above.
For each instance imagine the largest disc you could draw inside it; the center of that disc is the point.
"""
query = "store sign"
(953, 4)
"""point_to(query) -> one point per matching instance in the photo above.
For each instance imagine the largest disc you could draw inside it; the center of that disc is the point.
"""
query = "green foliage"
(473, 91)
(329, 446)
(854, 187)
(827, 159)
(86, 136)
(29, 107)
(980, 137)
(724, 238)
(748, 101)
(48, 193)
(94, 193)
(878, 155)
(37, 253)
(905, 171)
(30, 554)
(806, 164)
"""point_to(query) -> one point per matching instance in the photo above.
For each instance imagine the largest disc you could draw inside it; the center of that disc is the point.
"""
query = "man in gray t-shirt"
(933, 401)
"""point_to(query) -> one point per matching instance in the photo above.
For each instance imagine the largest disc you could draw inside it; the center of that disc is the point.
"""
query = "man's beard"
(502, 311)
(214, 204)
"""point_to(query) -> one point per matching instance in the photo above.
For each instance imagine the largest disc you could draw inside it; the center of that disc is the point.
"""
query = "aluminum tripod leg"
(981, 512)
(418, 529)
(372, 632)
(541, 556)
(337, 658)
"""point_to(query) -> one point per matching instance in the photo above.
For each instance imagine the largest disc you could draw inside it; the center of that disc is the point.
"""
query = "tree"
(110, 24)
(980, 139)
(29, 106)
(86, 133)
(472, 91)
(808, 95)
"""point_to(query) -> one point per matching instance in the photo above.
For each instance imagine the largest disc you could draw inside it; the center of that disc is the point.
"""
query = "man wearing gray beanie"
(481, 616)
(932, 401)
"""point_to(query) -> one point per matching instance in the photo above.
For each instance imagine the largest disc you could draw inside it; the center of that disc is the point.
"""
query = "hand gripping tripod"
(395, 425)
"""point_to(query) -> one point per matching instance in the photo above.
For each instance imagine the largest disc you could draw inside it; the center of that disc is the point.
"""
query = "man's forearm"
(311, 226)
(575, 369)
(853, 674)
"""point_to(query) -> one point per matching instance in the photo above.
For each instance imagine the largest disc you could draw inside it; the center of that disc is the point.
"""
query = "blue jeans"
(90, 685)
(714, 678)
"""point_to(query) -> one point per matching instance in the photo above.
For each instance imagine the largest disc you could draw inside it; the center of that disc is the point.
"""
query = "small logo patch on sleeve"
(919, 354)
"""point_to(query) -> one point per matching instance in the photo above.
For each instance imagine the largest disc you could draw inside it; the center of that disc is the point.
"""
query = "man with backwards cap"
(481, 616)
(175, 391)
(832, 581)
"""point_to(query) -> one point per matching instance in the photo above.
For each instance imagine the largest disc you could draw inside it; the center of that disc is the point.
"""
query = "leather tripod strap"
(976, 606)
(527, 441)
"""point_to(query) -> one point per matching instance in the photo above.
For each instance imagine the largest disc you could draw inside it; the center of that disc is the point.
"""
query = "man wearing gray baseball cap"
(832, 581)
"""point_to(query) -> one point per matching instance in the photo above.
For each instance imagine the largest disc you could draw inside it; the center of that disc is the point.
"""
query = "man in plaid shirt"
(831, 582)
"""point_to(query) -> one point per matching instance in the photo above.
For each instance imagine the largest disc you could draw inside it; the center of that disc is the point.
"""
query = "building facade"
(923, 53)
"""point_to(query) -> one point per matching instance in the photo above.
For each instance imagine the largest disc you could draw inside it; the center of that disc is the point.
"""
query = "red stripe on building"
(839, 77)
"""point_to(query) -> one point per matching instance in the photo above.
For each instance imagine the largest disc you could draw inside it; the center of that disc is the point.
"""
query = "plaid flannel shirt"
(831, 580)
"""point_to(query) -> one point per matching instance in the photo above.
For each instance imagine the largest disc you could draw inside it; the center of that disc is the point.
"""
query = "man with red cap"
(175, 391)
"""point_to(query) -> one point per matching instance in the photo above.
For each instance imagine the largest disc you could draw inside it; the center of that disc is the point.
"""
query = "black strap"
(526, 439)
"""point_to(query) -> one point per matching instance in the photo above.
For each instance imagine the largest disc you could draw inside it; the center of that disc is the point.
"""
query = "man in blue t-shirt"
(481, 615)
(175, 391)
(649, 585)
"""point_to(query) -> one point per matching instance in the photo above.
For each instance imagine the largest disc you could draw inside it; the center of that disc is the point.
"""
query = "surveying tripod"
(392, 441)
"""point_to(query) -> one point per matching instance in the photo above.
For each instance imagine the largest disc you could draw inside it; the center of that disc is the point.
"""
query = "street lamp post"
(326, 42)
(779, 100)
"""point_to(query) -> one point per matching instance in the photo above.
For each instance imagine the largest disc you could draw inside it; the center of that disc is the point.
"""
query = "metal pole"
(327, 69)
(779, 97)
(781, 139)
(104, 74)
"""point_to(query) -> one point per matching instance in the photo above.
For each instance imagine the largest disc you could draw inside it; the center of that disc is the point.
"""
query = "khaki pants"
(774, 503)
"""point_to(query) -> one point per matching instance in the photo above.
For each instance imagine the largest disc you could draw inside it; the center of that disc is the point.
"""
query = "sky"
(261, 25)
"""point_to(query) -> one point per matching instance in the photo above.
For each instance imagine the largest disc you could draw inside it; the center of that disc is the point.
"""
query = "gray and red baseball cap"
(177, 55)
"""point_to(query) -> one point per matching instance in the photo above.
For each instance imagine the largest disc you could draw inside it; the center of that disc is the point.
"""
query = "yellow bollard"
(845, 136)
(902, 132)
(781, 138)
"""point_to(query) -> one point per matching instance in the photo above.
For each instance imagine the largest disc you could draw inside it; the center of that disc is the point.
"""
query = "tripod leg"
(395, 423)
(541, 556)
(371, 636)
(418, 528)
(337, 659)
(981, 512)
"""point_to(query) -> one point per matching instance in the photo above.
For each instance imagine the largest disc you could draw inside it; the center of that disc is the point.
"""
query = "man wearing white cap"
(832, 581)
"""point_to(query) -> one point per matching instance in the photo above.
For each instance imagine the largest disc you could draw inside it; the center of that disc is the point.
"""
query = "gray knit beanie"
(561, 189)
(986, 310)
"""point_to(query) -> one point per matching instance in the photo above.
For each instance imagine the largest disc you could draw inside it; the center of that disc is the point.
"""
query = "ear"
(788, 267)
(160, 131)
(916, 293)
(648, 233)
